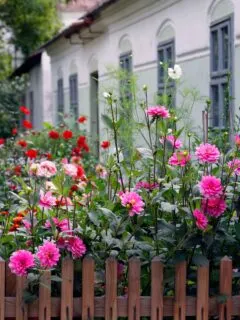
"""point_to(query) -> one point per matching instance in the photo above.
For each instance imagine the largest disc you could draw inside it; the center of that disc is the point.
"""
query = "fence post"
(225, 309)
(2, 289)
(134, 270)
(111, 289)
(180, 291)
(21, 307)
(67, 289)
(88, 289)
(202, 292)
(156, 289)
(45, 296)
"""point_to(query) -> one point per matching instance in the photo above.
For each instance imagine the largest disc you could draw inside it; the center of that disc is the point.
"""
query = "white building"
(203, 36)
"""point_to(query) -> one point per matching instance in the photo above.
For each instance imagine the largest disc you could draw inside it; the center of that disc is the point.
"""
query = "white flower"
(175, 73)
(106, 95)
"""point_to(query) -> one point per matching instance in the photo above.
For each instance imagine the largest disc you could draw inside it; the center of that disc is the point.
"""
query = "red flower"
(27, 124)
(24, 110)
(49, 156)
(2, 141)
(82, 119)
(17, 170)
(76, 151)
(14, 131)
(67, 134)
(22, 143)
(80, 172)
(31, 153)
(81, 141)
(53, 134)
(86, 147)
(105, 144)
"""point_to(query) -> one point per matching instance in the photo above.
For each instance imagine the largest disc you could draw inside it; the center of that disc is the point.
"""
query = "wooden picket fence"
(110, 307)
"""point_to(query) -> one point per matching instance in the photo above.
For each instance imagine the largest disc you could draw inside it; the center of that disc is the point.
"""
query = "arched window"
(73, 90)
(165, 60)
(220, 16)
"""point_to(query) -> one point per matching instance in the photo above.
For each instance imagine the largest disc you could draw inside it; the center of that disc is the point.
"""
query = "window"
(73, 85)
(125, 83)
(31, 105)
(60, 99)
(221, 66)
(166, 59)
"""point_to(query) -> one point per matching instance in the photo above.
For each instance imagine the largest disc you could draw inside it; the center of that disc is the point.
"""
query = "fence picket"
(10, 289)
(67, 290)
(225, 309)
(111, 289)
(21, 307)
(156, 289)
(2, 289)
(134, 289)
(180, 291)
(88, 289)
(45, 296)
(202, 292)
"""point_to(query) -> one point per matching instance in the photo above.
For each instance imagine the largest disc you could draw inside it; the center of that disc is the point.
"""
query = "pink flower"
(21, 261)
(48, 254)
(70, 170)
(215, 207)
(64, 202)
(158, 112)
(47, 200)
(234, 166)
(175, 142)
(207, 153)
(210, 187)
(201, 219)
(146, 185)
(76, 246)
(62, 225)
(179, 158)
(237, 140)
(46, 169)
(133, 202)
(33, 170)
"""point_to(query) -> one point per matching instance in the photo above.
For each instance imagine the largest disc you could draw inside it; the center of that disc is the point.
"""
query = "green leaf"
(93, 216)
(107, 120)
(56, 278)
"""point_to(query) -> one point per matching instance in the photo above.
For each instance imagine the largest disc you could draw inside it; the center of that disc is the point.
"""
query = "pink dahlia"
(133, 202)
(48, 254)
(47, 201)
(237, 140)
(21, 261)
(179, 158)
(215, 207)
(46, 169)
(210, 187)
(158, 112)
(70, 170)
(76, 246)
(175, 142)
(207, 153)
(234, 166)
(61, 225)
(146, 185)
(201, 219)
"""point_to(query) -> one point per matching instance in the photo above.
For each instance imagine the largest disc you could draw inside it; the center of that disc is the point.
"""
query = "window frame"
(60, 99)
(123, 57)
(73, 96)
(219, 77)
(31, 105)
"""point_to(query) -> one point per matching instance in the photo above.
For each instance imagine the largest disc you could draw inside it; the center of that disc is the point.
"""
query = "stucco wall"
(143, 24)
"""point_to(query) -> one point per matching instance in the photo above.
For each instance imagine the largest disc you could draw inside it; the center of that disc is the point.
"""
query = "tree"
(32, 22)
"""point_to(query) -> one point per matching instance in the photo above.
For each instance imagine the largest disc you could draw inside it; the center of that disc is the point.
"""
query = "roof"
(85, 21)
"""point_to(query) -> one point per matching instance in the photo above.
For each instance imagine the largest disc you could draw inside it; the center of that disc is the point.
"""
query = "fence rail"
(110, 307)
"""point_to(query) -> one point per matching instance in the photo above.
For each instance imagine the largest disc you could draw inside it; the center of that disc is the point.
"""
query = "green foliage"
(11, 92)
(32, 22)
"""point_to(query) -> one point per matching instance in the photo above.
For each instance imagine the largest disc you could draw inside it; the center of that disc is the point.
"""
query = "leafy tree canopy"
(32, 22)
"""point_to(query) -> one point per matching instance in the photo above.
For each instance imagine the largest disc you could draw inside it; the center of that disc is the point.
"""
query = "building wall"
(140, 25)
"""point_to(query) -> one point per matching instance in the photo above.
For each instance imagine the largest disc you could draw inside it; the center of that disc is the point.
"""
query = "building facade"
(202, 36)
